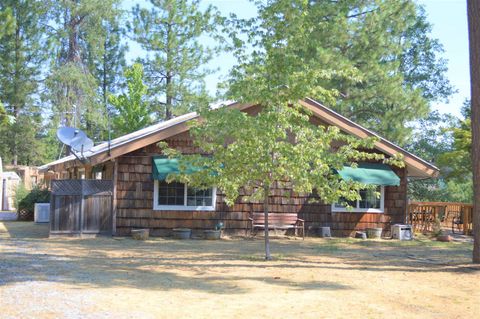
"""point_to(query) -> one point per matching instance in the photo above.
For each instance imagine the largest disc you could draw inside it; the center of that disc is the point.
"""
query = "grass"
(161, 277)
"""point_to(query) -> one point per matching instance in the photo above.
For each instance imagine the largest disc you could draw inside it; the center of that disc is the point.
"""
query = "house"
(142, 199)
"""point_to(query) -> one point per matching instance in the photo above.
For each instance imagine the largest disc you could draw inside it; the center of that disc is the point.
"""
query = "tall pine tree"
(395, 68)
(22, 56)
(73, 82)
(171, 32)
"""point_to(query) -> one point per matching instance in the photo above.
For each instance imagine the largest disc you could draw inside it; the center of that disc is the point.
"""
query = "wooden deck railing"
(422, 215)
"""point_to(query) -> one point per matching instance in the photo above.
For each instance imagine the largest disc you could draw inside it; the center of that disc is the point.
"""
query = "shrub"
(25, 200)
(437, 227)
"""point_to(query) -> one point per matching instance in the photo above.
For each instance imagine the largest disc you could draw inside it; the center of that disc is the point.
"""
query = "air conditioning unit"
(402, 232)
(42, 213)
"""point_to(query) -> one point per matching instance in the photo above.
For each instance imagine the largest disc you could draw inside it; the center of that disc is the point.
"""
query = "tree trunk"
(169, 100)
(16, 98)
(473, 8)
(266, 191)
(169, 77)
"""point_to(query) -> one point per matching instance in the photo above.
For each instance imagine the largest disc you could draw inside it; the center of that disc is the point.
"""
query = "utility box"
(402, 232)
(42, 213)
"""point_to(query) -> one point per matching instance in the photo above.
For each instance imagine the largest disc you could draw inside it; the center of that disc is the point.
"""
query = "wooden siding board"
(135, 201)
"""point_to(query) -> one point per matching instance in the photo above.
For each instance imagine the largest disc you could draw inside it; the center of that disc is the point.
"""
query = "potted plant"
(213, 234)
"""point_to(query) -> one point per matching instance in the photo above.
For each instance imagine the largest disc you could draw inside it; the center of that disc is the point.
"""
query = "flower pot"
(182, 233)
(212, 234)
(375, 233)
(444, 238)
(140, 234)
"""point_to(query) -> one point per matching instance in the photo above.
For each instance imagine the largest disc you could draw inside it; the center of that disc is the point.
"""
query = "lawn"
(165, 278)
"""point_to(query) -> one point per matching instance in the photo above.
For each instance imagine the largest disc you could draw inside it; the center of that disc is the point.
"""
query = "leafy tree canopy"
(133, 111)
(279, 142)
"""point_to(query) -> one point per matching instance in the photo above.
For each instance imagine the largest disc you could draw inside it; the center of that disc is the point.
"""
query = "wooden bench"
(276, 221)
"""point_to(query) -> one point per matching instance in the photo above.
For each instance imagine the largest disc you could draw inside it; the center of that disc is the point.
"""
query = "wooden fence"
(422, 216)
(81, 207)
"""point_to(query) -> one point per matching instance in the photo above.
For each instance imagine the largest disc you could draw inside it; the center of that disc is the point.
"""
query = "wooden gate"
(81, 207)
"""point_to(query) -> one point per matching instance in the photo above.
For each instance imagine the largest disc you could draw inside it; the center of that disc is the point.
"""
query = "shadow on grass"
(23, 230)
(164, 264)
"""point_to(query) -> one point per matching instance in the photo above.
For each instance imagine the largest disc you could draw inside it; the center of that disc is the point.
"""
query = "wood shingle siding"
(135, 202)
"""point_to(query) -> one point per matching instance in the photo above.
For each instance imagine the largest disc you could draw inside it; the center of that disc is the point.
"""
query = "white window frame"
(182, 207)
(363, 210)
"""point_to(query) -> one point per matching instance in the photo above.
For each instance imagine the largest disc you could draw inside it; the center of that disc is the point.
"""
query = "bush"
(25, 200)
(437, 227)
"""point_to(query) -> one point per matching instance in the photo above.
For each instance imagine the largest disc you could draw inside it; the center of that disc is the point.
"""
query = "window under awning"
(162, 166)
(371, 174)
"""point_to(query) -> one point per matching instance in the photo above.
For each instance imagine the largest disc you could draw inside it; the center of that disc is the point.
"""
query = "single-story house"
(142, 198)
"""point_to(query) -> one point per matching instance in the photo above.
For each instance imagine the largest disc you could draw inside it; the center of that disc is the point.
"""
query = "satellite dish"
(81, 144)
(76, 139)
(67, 134)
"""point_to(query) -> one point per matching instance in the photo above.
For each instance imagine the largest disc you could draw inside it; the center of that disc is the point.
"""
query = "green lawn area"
(159, 278)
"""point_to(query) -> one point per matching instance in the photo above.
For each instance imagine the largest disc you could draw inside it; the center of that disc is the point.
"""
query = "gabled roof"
(124, 140)
(416, 167)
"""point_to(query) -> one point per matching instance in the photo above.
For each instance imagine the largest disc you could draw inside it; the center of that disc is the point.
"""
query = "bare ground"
(160, 278)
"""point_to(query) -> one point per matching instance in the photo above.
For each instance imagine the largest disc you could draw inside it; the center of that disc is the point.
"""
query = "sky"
(449, 20)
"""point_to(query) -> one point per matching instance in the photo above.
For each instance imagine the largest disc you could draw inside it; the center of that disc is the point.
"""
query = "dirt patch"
(160, 278)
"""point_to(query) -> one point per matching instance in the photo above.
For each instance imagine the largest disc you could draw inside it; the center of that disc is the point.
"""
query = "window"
(369, 202)
(98, 175)
(179, 196)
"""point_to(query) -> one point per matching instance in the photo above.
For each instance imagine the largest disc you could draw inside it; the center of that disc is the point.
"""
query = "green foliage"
(133, 112)
(400, 66)
(171, 32)
(457, 163)
(22, 56)
(278, 144)
(6, 21)
(21, 192)
(26, 200)
(437, 227)
(107, 62)
(78, 33)
(445, 141)
(373, 61)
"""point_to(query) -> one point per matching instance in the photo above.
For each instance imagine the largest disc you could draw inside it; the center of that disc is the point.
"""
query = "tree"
(22, 57)
(106, 63)
(456, 162)
(6, 27)
(171, 31)
(133, 112)
(386, 45)
(279, 144)
(77, 30)
(473, 8)
(432, 139)
(399, 64)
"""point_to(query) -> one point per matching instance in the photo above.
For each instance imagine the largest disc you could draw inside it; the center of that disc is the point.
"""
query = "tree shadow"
(154, 265)
(23, 230)
(211, 266)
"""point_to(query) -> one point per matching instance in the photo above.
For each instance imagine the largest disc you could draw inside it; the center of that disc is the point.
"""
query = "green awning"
(370, 173)
(163, 166)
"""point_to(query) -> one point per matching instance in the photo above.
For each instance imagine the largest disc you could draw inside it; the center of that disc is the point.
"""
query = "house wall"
(135, 203)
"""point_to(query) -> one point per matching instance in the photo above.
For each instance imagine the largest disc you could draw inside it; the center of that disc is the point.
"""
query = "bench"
(276, 221)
